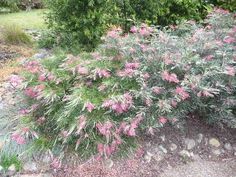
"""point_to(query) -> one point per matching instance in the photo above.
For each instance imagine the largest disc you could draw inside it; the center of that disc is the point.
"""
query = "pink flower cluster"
(119, 106)
(82, 70)
(230, 71)
(170, 77)
(18, 138)
(15, 80)
(103, 73)
(144, 30)
(129, 70)
(105, 129)
(33, 92)
(182, 93)
(90, 107)
(33, 66)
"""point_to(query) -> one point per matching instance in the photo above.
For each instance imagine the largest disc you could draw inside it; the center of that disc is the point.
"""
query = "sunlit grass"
(33, 19)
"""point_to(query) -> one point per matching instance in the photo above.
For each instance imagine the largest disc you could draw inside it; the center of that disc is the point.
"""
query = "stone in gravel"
(184, 153)
(190, 143)
(109, 163)
(158, 156)
(214, 142)
(163, 149)
(200, 137)
(11, 170)
(216, 152)
(228, 147)
(30, 167)
(163, 137)
(148, 157)
(173, 147)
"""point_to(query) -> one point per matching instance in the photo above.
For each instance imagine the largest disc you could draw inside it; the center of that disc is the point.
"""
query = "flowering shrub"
(138, 81)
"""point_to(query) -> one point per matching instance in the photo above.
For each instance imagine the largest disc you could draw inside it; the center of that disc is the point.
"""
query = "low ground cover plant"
(134, 83)
(13, 34)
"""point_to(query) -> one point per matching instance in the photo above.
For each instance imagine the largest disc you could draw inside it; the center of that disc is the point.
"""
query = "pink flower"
(169, 77)
(90, 107)
(146, 76)
(42, 77)
(209, 57)
(174, 103)
(229, 40)
(24, 111)
(221, 11)
(18, 139)
(41, 120)
(82, 70)
(134, 29)
(103, 73)
(31, 92)
(113, 34)
(163, 120)
(33, 66)
(157, 90)
(100, 148)
(230, 71)
(134, 65)
(148, 102)
(104, 129)
(180, 91)
(15, 80)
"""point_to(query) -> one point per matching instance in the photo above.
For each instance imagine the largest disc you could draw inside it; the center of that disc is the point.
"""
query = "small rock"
(30, 167)
(148, 157)
(173, 147)
(163, 149)
(214, 142)
(159, 156)
(184, 153)
(216, 152)
(200, 138)
(11, 170)
(228, 147)
(163, 137)
(190, 143)
(234, 153)
(109, 163)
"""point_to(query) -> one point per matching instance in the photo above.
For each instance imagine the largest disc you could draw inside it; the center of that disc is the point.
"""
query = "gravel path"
(203, 168)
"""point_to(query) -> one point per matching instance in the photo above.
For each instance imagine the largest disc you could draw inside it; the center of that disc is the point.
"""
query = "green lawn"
(26, 20)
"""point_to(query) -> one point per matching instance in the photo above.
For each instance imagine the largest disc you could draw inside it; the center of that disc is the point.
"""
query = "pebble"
(216, 152)
(163, 149)
(228, 147)
(11, 170)
(184, 153)
(173, 147)
(37, 175)
(109, 163)
(148, 157)
(1, 169)
(200, 138)
(159, 156)
(214, 142)
(30, 167)
(190, 143)
(163, 137)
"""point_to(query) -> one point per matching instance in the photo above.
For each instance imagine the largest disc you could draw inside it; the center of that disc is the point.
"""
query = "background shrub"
(99, 102)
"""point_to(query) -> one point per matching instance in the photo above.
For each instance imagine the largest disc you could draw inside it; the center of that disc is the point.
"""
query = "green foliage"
(9, 4)
(13, 34)
(134, 83)
(78, 22)
(225, 4)
(6, 161)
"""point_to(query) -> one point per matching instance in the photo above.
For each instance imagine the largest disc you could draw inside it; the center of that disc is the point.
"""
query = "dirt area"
(10, 56)
(153, 161)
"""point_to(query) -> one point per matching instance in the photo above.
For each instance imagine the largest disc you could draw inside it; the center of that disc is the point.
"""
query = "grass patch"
(33, 19)
(7, 161)
(13, 34)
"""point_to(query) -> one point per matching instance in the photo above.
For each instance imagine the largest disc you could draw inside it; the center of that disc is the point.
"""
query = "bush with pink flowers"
(132, 84)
